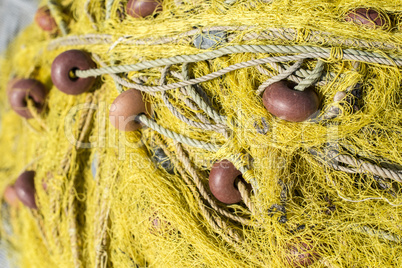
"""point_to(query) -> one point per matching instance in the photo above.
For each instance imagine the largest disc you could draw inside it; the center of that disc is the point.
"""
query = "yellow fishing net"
(325, 192)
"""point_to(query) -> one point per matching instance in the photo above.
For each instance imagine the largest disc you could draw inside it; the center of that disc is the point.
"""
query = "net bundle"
(297, 102)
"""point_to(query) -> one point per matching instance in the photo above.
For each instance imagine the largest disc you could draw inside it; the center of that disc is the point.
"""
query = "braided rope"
(177, 114)
(342, 168)
(188, 121)
(200, 116)
(199, 100)
(298, 75)
(77, 40)
(314, 36)
(231, 232)
(114, 76)
(246, 172)
(164, 73)
(119, 88)
(203, 94)
(313, 77)
(316, 52)
(317, 37)
(323, 159)
(300, 72)
(245, 194)
(279, 69)
(303, 73)
(189, 35)
(248, 175)
(362, 166)
(358, 165)
(282, 75)
(175, 136)
(217, 73)
(219, 53)
(173, 110)
(191, 103)
(267, 34)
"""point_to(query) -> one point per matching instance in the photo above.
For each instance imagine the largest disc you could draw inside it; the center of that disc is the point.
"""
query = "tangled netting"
(327, 189)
